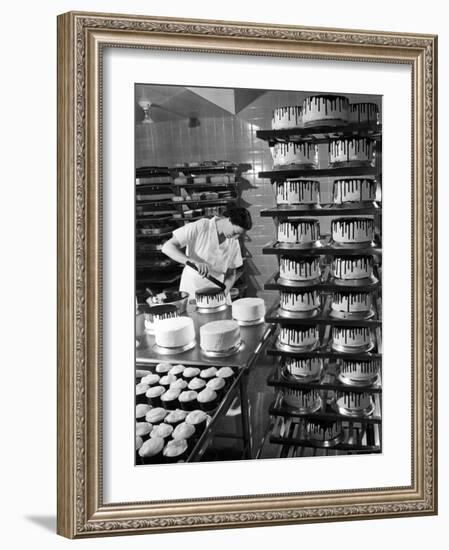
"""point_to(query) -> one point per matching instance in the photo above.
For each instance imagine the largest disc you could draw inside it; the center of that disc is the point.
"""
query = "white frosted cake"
(352, 230)
(219, 336)
(322, 431)
(298, 191)
(302, 399)
(351, 152)
(302, 269)
(173, 333)
(351, 302)
(303, 368)
(294, 154)
(301, 301)
(325, 109)
(300, 232)
(352, 268)
(210, 297)
(287, 117)
(248, 309)
(351, 338)
(363, 113)
(354, 190)
(358, 371)
(354, 401)
(299, 337)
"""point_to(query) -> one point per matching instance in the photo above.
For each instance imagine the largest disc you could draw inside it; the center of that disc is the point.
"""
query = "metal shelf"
(232, 168)
(278, 248)
(281, 175)
(321, 134)
(326, 413)
(358, 438)
(327, 282)
(154, 236)
(324, 210)
(323, 317)
(206, 185)
(327, 381)
(187, 201)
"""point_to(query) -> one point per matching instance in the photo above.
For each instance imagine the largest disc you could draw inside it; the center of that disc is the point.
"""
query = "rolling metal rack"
(286, 435)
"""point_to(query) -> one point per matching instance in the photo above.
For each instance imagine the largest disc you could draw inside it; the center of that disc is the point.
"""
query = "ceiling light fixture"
(146, 107)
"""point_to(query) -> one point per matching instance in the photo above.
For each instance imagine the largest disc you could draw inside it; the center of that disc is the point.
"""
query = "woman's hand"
(203, 269)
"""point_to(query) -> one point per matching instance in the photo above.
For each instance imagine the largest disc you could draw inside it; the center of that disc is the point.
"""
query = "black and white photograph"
(258, 274)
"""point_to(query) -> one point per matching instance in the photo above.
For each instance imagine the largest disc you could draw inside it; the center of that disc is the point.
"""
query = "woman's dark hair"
(239, 216)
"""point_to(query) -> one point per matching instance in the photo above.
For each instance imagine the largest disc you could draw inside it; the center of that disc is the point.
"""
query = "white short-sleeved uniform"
(201, 241)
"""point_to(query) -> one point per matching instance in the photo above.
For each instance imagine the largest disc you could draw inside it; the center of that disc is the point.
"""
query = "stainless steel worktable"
(252, 340)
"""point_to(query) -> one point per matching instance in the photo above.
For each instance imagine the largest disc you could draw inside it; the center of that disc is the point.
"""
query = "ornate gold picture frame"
(82, 38)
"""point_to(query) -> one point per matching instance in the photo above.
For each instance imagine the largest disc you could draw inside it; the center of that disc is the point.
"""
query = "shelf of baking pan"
(324, 348)
(152, 173)
(231, 169)
(187, 201)
(323, 317)
(358, 438)
(323, 210)
(324, 247)
(325, 282)
(200, 445)
(328, 380)
(322, 133)
(293, 171)
(143, 265)
(163, 187)
(326, 412)
(157, 280)
(206, 185)
(153, 236)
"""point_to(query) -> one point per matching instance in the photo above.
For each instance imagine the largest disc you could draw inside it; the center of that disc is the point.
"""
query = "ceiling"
(176, 102)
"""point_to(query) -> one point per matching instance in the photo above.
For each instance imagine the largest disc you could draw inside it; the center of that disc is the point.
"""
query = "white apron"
(202, 245)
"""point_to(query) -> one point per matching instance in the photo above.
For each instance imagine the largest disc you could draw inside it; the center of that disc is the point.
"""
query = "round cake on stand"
(353, 271)
(288, 117)
(299, 233)
(294, 155)
(298, 339)
(358, 373)
(220, 338)
(325, 433)
(351, 305)
(353, 404)
(248, 311)
(302, 401)
(352, 339)
(325, 110)
(210, 300)
(302, 370)
(154, 314)
(174, 336)
(352, 232)
(351, 152)
(354, 190)
(304, 271)
(298, 192)
(299, 304)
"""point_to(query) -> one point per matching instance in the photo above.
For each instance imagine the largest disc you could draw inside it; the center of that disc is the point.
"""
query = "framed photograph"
(247, 274)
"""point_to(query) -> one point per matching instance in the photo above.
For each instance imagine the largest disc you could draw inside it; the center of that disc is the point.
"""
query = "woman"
(212, 245)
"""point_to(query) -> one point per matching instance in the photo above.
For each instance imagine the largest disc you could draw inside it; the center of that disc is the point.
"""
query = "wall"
(28, 295)
(233, 137)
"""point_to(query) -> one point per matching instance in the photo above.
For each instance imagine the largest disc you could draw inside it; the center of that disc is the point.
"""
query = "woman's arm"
(172, 249)
(229, 280)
